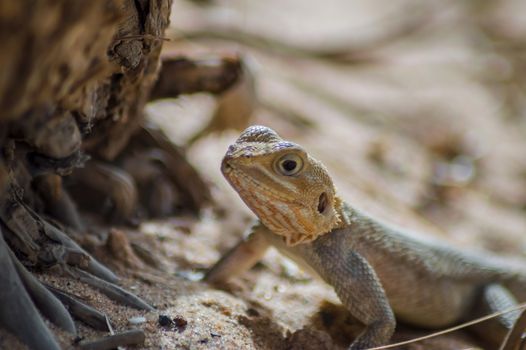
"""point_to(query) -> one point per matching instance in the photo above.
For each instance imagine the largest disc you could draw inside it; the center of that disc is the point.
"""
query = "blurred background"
(417, 108)
(414, 106)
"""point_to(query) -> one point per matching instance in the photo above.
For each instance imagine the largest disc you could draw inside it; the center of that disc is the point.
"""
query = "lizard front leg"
(360, 291)
(241, 257)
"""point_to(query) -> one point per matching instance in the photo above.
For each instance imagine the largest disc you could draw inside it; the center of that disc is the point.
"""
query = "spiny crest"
(259, 134)
(257, 140)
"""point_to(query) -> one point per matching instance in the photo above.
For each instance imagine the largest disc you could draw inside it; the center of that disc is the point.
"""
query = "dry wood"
(21, 317)
(60, 204)
(111, 290)
(81, 311)
(93, 265)
(180, 75)
(119, 246)
(46, 302)
(75, 78)
(131, 337)
(98, 181)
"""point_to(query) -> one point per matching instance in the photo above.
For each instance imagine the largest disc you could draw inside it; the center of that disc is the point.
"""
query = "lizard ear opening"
(322, 202)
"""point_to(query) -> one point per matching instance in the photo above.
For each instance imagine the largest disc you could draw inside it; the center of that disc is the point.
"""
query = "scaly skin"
(378, 271)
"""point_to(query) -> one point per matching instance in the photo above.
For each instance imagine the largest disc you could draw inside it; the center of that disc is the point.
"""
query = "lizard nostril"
(225, 165)
(322, 202)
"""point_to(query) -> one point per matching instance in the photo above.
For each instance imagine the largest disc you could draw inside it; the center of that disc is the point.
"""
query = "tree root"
(81, 311)
(21, 317)
(42, 244)
(111, 290)
(58, 202)
(100, 182)
(192, 189)
(94, 267)
(46, 302)
(131, 337)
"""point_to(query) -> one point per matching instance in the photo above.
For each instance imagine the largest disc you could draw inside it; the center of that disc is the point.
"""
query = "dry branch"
(81, 311)
(131, 337)
(111, 290)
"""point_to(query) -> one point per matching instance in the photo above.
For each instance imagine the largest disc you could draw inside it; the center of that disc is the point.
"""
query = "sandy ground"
(418, 133)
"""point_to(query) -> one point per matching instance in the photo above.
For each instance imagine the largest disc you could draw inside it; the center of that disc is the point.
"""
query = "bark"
(75, 78)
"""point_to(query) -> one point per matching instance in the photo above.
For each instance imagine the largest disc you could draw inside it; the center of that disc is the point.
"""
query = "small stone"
(165, 321)
(180, 323)
(137, 320)
(191, 275)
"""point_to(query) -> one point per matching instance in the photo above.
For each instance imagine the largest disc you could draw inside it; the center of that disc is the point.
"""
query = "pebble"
(165, 321)
(180, 323)
(137, 320)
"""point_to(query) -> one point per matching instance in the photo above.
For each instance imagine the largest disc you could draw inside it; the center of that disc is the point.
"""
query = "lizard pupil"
(322, 203)
(289, 165)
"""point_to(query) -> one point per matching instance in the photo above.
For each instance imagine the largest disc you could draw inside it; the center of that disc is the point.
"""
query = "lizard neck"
(342, 209)
(342, 212)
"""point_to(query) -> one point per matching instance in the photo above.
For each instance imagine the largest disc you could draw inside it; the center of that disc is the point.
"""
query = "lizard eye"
(290, 164)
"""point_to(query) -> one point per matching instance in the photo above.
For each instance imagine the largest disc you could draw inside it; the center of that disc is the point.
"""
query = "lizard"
(380, 272)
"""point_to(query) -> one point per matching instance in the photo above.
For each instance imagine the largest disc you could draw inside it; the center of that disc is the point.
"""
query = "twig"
(76, 257)
(143, 36)
(180, 75)
(93, 267)
(81, 311)
(145, 255)
(513, 339)
(521, 306)
(111, 290)
(108, 324)
(131, 337)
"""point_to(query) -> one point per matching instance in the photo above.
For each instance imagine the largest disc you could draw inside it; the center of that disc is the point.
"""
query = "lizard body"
(377, 270)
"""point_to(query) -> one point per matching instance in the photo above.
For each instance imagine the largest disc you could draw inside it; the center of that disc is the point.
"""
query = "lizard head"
(291, 192)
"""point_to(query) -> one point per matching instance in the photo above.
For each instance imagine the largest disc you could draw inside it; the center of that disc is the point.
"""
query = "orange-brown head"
(291, 192)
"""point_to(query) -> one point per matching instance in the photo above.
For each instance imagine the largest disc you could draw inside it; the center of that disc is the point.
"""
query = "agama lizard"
(377, 270)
